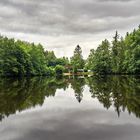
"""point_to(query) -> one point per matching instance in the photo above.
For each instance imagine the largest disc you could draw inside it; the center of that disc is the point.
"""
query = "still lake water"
(80, 108)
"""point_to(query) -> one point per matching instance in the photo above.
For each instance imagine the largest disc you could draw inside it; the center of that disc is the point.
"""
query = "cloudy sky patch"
(61, 25)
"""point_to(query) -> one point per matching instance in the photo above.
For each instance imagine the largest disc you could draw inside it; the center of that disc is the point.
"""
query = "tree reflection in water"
(121, 92)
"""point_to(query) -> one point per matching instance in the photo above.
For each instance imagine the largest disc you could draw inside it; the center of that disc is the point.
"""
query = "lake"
(70, 108)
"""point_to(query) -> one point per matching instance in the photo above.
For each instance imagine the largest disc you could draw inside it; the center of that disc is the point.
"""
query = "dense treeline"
(121, 56)
(19, 58)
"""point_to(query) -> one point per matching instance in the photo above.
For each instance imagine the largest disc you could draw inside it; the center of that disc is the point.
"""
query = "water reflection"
(121, 93)
(77, 84)
(21, 94)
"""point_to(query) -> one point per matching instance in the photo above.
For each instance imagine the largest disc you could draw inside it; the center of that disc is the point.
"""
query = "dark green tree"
(100, 61)
(77, 60)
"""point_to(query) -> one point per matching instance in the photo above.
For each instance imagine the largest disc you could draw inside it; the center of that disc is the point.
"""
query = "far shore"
(78, 73)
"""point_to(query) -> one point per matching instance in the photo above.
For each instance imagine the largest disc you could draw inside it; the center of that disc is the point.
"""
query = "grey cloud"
(65, 18)
(116, 0)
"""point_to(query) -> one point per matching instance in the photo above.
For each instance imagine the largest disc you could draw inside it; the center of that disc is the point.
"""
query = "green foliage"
(59, 70)
(99, 60)
(19, 58)
(53, 61)
(77, 60)
(122, 56)
(51, 58)
(62, 61)
(49, 71)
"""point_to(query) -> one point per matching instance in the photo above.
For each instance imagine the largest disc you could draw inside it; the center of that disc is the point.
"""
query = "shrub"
(59, 70)
(49, 71)
(85, 70)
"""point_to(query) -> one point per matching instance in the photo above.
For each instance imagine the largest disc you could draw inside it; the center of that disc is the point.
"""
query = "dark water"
(90, 108)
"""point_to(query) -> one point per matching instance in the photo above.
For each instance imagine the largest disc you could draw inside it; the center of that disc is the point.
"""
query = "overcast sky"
(60, 25)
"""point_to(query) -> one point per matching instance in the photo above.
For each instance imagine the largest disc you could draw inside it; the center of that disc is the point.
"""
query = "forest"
(120, 56)
(20, 58)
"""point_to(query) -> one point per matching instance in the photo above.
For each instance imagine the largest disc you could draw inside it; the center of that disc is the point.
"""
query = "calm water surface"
(70, 108)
